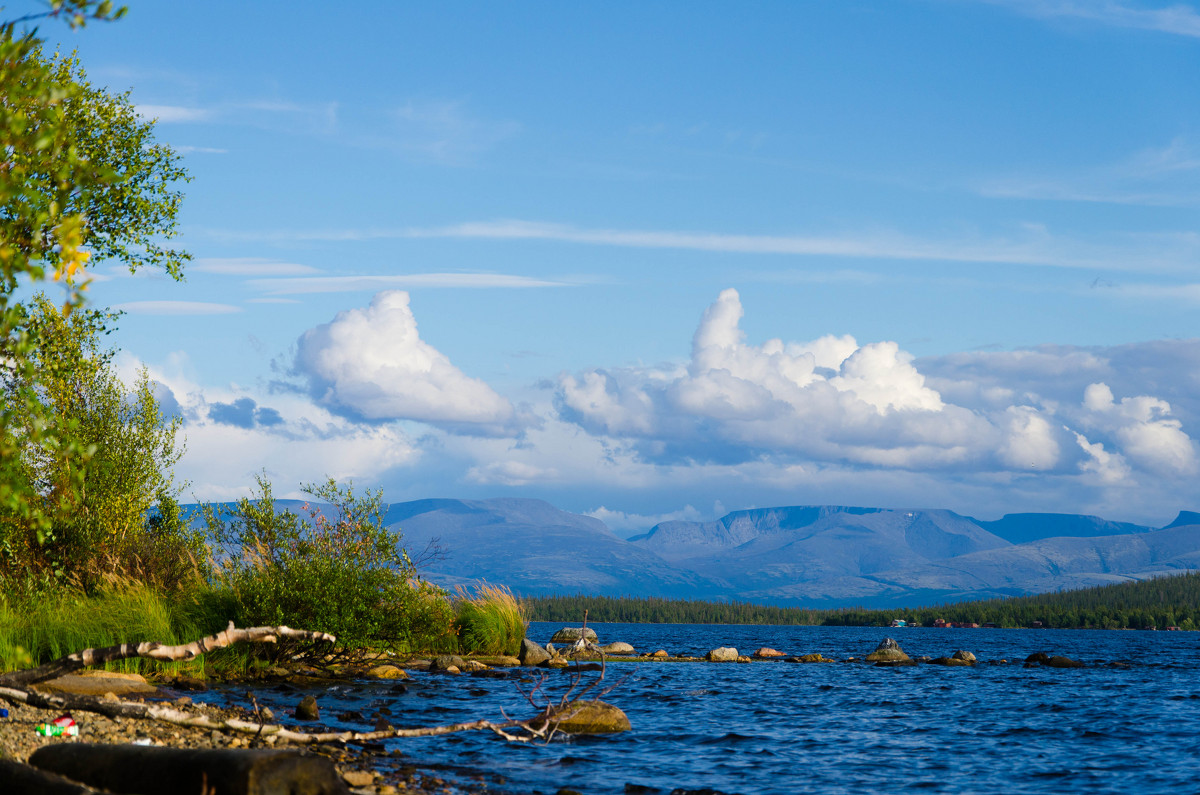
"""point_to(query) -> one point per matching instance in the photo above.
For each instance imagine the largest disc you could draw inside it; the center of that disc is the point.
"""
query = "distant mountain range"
(818, 556)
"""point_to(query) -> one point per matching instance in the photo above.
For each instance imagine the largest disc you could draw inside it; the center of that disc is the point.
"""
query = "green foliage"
(98, 526)
(35, 629)
(1159, 602)
(79, 168)
(339, 570)
(490, 622)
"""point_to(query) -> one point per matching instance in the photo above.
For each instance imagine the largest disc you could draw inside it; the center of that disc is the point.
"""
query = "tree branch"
(156, 651)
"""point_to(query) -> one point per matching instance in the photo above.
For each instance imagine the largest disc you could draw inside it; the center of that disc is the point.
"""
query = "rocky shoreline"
(371, 768)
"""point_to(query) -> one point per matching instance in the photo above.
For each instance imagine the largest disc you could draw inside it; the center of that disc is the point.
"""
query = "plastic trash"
(3, 713)
(143, 741)
(62, 726)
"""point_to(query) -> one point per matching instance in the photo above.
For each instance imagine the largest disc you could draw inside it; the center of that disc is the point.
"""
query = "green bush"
(339, 571)
(490, 622)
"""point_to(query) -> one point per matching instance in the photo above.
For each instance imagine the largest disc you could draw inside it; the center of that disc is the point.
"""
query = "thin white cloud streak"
(1179, 20)
(176, 308)
(1162, 176)
(250, 266)
(174, 114)
(1181, 293)
(346, 284)
(443, 132)
(200, 150)
(1164, 252)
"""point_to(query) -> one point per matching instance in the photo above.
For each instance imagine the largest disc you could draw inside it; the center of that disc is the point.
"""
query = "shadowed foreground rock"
(590, 717)
(20, 779)
(147, 770)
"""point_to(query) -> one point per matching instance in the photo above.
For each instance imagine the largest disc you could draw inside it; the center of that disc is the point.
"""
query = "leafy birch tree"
(81, 179)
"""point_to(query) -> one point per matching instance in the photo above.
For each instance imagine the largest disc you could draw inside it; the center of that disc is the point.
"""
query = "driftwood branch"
(156, 651)
(13, 688)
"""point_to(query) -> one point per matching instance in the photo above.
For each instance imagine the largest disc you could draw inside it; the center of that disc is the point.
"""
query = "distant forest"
(1160, 602)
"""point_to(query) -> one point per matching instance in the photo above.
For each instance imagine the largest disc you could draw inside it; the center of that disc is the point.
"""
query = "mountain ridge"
(808, 555)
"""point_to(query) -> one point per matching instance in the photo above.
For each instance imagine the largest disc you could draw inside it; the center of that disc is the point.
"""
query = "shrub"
(340, 570)
(490, 622)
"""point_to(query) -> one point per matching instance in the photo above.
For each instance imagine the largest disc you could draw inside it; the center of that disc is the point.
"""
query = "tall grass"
(491, 621)
(35, 630)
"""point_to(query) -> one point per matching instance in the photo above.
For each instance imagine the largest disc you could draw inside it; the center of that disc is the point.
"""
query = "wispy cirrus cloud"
(1030, 244)
(250, 266)
(346, 284)
(445, 132)
(176, 308)
(175, 114)
(313, 118)
(1162, 176)
(1177, 19)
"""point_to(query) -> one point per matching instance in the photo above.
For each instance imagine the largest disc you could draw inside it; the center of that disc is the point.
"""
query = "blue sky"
(673, 259)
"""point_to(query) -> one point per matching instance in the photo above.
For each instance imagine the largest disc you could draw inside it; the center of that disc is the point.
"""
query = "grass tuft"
(491, 621)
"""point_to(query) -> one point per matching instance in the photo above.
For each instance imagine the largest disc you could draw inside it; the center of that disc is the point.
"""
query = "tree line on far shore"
(1160, 602)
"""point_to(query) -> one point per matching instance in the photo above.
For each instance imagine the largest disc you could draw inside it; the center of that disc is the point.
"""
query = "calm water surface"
(775, 727)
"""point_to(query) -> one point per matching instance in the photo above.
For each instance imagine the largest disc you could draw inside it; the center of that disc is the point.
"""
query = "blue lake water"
(775, 727)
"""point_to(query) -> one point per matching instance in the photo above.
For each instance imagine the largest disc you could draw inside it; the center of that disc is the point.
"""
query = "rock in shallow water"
(307, 709)
(572, 634)
(590, 717)
(531, 653)
(722, 654)
(888, 651)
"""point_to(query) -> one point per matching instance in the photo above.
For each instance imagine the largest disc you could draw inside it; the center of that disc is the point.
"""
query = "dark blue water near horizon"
(775, 727)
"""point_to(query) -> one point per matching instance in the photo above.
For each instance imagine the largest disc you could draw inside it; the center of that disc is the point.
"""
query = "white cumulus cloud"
(835, 402)
(372, 364)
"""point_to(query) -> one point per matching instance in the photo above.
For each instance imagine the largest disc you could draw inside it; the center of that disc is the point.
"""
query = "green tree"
(80, 176)
(100, 526)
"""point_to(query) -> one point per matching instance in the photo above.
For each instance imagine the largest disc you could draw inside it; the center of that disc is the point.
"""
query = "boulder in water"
(531, 653)
(572, 634)
(307, 709)
(620, 647)
(589, 717)
(766, 653)
(888, 651)
(810, 658)
(444, 662)
(722, 654)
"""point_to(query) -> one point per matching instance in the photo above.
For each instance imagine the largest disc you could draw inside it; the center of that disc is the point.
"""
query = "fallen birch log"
(156, 651)
(141, 710)
(14, 688)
